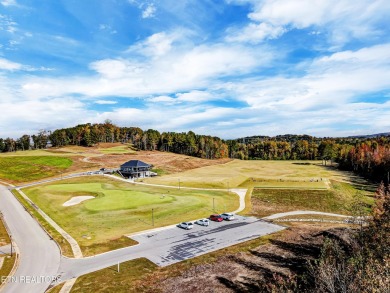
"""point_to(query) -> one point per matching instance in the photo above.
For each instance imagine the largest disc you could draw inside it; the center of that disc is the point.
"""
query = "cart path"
(241, 192)
(73, 243)
(294, 213)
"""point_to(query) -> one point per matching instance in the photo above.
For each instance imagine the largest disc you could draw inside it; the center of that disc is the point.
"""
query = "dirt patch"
(168, 162)
(285, 255)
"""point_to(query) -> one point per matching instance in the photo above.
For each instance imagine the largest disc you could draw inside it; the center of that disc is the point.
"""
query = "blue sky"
(229, 68)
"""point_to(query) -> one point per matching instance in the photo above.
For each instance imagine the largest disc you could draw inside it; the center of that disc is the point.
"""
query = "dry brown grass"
(244, 270)
(168, 162)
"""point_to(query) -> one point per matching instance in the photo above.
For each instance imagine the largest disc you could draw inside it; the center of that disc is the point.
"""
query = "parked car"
(227, 216)
(216, 218)
(186, 225)
(203, 222)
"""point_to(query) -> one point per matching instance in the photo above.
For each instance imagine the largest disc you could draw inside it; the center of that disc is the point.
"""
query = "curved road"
(39, 258)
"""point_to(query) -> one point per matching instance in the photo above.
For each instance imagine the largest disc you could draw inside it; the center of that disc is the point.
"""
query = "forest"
(368, 156)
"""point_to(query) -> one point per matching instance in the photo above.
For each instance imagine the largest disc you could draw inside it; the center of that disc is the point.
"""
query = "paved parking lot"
(175, 244)
(172, 244)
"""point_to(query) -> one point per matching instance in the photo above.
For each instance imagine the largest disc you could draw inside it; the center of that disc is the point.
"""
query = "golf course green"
(120, 208)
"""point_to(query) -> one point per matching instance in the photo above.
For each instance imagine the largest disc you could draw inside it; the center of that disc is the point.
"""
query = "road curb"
(17, 253)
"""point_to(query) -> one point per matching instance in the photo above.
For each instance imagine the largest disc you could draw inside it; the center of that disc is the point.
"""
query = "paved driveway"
(173, 245)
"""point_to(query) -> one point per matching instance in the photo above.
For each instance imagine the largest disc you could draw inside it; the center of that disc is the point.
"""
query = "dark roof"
(135, 163)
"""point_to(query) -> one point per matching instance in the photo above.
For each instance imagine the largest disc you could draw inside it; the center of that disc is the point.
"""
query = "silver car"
(227, 216)
(203, 222)
(186, 225)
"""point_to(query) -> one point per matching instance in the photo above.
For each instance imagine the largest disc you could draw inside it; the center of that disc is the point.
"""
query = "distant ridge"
(371, 135)
(294, 137)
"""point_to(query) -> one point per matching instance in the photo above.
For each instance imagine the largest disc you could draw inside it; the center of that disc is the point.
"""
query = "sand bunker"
(76, 200)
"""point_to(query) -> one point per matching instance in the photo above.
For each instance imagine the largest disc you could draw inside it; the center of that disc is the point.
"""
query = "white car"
(227, 216)
(203, 222)
(186, 225)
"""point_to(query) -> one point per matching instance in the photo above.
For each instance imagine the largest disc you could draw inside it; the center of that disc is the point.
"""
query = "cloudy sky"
(229, 68)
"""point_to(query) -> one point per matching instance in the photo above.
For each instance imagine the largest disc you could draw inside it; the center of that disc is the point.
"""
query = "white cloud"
(332, 82)
(176, 71)
(149, 11)
(342, 19)
(156, 45)
(255, 33)
(9, 65)
(105, 102)
(9, 3)
(107, 28)
(7, 24)
(28, 116)
(163, 99)
(195, 96)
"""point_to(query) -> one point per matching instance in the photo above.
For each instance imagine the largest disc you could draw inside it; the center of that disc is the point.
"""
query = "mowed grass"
(338, 199)
(122, 149)
(8, 261)
(8, 264)
(122, 208)
(4, 237)
(239, 173)
(290, 184)
(29, 168)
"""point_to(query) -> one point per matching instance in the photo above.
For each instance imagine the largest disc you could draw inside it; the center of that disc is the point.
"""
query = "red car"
(216, 218)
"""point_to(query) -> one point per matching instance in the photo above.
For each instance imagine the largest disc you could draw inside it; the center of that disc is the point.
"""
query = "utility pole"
(10, 237)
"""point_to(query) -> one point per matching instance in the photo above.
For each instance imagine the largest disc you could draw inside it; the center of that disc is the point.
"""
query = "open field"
(121, 208)
(30, 168)
(122, 149)
(164, 162)
(238, 173)
(338, 199)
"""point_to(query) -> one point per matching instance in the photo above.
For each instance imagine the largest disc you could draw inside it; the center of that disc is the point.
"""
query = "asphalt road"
(39, 256)
(173, 245)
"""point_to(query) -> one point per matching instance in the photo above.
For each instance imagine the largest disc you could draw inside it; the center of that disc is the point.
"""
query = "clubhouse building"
(136, 169)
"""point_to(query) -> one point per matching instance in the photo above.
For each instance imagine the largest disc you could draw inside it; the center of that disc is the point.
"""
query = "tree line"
(202, 146)
(367, 156)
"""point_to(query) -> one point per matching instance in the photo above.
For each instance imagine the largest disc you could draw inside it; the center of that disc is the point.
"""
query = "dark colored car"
(216, 218)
